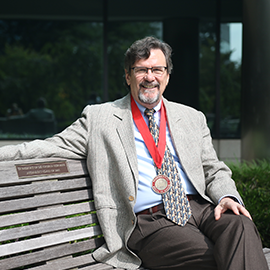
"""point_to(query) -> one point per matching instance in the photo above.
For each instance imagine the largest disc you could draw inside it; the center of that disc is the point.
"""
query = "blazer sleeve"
(218, 176)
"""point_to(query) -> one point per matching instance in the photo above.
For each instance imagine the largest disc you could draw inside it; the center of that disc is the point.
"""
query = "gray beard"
(147, 100)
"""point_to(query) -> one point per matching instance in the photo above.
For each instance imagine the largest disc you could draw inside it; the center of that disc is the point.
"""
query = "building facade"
(71, 54)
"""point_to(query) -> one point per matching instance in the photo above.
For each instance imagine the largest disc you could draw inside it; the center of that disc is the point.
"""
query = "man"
(41, 113)
(215, 231)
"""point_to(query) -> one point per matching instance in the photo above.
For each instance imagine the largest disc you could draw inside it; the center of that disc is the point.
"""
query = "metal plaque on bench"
(41, 169)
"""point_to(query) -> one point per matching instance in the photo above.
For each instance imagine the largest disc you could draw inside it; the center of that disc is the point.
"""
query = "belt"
(151, 210)
(159, 207)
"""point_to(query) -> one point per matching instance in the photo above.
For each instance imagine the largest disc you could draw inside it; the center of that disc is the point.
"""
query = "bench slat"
(44, 214)
(43, 187)
(45, 200)
(47, 227)
(99, 266)
(50, 253)
(48, 240)
(68, 263)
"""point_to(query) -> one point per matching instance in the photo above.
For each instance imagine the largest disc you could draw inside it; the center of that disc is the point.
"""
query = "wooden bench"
(48, 218)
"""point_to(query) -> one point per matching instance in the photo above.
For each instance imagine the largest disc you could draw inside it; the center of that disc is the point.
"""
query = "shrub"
(253, 182)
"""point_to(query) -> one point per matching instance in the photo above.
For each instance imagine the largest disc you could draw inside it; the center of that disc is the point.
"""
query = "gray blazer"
(104, 135)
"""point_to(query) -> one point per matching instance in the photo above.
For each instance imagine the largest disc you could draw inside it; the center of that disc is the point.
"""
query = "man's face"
(148, 88)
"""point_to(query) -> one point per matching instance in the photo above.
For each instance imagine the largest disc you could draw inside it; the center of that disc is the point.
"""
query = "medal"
(161, 184)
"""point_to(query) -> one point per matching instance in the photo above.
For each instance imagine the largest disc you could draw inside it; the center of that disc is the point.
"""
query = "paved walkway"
(267, 255)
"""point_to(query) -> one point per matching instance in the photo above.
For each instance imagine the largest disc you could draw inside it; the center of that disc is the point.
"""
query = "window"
(230, 78)
(50, 70)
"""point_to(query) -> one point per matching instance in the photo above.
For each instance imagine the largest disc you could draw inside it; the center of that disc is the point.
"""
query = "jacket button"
(131, 198)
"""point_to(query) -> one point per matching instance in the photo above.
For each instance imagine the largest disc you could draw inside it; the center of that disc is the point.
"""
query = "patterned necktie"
(175, 201)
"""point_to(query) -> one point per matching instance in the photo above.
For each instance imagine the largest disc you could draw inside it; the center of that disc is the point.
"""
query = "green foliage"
(253, 183)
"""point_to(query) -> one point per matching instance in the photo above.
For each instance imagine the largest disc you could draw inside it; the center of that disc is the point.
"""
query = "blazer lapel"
(179, 138)
(125, 130)
(174, 122)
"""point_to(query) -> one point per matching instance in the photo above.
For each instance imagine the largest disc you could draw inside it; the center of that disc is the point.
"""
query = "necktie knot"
(149, 112)
(153, 127)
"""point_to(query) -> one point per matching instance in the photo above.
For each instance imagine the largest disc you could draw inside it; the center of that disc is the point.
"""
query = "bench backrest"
(47, 213)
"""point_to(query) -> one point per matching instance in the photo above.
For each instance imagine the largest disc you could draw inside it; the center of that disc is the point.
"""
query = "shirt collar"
(142, 108)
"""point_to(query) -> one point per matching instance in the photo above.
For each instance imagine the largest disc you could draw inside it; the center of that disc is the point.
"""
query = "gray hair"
(140, 49)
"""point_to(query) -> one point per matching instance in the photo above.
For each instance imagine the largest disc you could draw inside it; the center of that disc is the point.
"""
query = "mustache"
(149, 85)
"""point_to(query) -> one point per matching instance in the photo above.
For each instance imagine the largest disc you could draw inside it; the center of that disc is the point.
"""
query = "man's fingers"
(229, 204)
(239, 209)
(218, 212)
(235, 209)
(245, 212)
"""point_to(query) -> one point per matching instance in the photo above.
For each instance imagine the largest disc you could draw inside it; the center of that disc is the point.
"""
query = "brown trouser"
(231, 243)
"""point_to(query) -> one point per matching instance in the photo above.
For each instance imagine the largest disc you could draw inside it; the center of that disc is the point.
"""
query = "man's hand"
(229, 204)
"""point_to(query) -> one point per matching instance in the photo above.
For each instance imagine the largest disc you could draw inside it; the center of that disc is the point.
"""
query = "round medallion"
(161, 184)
